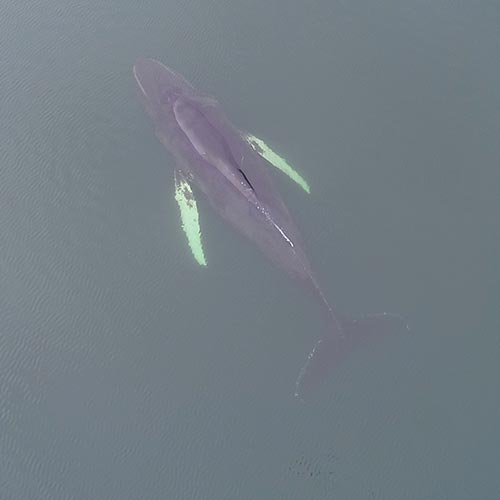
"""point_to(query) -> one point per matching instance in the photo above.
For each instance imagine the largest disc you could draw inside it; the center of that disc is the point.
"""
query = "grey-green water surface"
(128, 372)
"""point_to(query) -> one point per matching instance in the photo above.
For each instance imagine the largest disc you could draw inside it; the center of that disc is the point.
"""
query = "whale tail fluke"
(333, 348)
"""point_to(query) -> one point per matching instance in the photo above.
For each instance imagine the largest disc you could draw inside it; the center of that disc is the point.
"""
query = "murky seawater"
(127, 372)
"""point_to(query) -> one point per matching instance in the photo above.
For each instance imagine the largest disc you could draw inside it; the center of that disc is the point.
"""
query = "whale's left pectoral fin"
(259, 146)
(189, 216)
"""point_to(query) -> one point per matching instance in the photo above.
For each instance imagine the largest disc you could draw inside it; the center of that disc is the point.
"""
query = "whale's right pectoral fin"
(189, 216)
(277, 161)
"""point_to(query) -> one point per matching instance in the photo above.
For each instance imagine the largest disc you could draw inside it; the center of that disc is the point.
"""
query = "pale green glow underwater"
(189, 218)
(277, 161)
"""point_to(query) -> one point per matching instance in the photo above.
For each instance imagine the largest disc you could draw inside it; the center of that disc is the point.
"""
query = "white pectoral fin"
(189, 216)
(276, 160)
